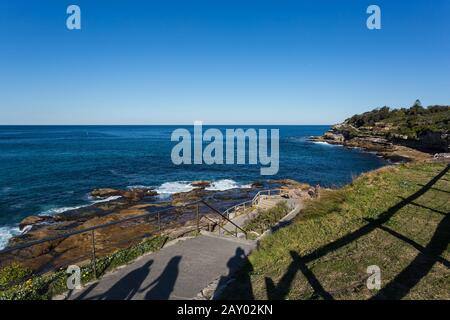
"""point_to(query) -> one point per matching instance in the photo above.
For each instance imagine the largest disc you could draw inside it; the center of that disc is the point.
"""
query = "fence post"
(159, 221)
(198, 218)
(93, 253)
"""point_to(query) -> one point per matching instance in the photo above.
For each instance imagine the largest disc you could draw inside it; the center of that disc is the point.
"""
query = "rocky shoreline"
(179, 218)
(382, 146)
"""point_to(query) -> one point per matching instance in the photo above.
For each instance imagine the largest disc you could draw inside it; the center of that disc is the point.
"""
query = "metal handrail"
(155, 214)
(100, 226)
(218, 225)
(158, 212)
(224, 217)
(252, 201)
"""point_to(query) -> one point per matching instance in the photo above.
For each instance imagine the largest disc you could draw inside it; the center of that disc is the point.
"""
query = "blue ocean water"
(45, 169)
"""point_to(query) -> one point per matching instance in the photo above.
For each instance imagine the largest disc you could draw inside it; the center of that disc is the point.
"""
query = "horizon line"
(149, 125)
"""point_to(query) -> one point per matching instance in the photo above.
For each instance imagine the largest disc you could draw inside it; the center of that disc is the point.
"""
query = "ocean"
(52, 169)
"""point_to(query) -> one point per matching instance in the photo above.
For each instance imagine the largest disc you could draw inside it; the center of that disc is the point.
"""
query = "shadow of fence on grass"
(405, 280)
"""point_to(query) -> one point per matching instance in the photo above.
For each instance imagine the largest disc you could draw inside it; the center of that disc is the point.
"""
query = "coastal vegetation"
(267, 218)
(409, 122)
(404, 134)
(395, 218)
(27, 286)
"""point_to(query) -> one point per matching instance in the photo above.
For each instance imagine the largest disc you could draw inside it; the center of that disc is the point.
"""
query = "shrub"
(268, 218)
(41, 287)
(13, 273)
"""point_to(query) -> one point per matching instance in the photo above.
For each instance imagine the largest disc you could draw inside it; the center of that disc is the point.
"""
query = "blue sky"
(220, 61)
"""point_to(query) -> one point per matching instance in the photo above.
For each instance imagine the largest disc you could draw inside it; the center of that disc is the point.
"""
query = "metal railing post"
(198, 218)
(94, 265)
(159, 221)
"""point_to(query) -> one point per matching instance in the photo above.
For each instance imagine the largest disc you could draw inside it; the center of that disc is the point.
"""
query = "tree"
(417, 104)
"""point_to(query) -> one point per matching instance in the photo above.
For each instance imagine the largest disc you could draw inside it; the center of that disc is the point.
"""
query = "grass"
(267, 218)
(42, 287)
(385, 218)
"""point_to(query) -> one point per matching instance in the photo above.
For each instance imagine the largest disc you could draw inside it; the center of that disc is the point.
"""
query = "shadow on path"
(127, 286)
(164, 284)
(238, 263)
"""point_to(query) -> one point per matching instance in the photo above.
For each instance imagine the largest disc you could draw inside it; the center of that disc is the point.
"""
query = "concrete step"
(265, 204)
(228, 238)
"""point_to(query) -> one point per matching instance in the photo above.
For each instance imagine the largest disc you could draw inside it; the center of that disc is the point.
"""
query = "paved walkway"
(179, 271)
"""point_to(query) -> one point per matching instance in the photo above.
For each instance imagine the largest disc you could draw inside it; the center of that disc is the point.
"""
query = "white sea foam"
(169, 188)
(53, 211)
(26, 229)
(107, 199)
(165, 190)
(64, 209)
(7, 232)
(174, 187)
(323, 143)
(222, 185)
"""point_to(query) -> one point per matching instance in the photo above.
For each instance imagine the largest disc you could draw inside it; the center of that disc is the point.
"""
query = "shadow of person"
(164, 284)
(127, 286)
(240, 267)
(84, 294)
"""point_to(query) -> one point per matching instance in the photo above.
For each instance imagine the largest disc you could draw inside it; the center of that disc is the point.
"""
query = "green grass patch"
(267, 218)
(325, 252)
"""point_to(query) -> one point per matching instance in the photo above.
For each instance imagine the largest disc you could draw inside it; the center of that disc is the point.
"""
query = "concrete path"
(179, 271)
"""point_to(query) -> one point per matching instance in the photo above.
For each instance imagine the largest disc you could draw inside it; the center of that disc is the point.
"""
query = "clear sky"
(220, 61)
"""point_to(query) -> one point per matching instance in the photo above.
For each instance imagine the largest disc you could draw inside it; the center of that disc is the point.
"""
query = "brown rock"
(187, 197)
(201, 184)
(31, 220)
(135, 194)
(334, 136)
(105, 192)
(257, 184)
(151, 193)
(138, 194)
